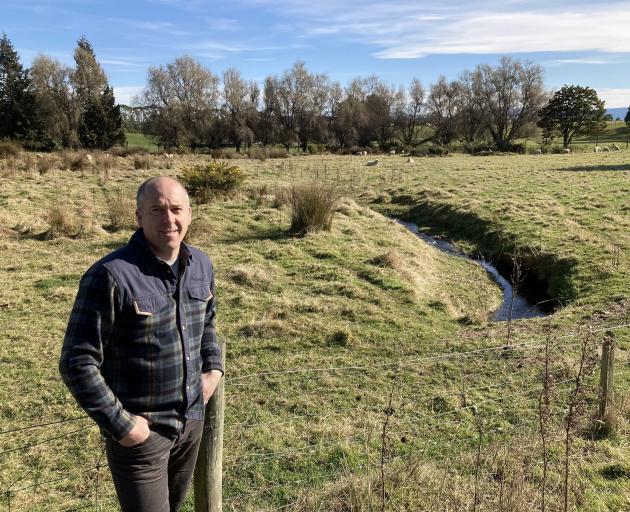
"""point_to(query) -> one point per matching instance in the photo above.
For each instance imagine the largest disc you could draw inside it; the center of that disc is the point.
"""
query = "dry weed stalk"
(385, 448)
(544, 415)
(575, 407)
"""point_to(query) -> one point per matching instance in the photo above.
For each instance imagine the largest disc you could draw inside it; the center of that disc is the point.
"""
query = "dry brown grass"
(142, 162)
(250, 275)
(121, 210)
(62, 220)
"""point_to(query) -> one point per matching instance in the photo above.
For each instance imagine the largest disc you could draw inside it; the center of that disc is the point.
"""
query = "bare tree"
(511, 95)
(296, 105)
(240, 100)
(470, 120)
(443, 110)
(408, 111)
(184, 98)
(52, 85)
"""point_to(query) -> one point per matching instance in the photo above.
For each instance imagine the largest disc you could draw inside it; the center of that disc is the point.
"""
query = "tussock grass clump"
(281, 196)
(121, 211)
(265, 327)
(74, 161)
(262, 153)
(206, 181)
(225, 153)
(106, 163)
(9, 150)
(45, 164)
(62, 220)
(312, 207)
(142, 162)
(124, 152)
(390, 259)
(249, 275)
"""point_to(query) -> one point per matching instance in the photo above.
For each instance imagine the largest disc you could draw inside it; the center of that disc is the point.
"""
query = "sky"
(578, 42)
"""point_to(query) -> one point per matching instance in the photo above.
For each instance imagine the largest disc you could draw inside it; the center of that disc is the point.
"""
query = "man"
(140, 353)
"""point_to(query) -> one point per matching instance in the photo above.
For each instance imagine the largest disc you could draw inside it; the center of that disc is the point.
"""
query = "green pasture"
(340, 376)
(140, 140)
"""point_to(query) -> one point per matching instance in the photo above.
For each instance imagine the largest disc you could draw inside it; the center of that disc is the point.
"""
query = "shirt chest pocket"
(150, 319)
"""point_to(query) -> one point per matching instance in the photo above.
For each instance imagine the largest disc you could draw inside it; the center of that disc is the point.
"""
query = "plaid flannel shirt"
(139, 338)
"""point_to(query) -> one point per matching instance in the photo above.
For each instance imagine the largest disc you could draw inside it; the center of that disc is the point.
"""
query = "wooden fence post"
(208, 479)
(606, 379)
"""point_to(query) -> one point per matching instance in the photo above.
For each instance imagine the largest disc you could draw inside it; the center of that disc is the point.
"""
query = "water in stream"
(520, 307)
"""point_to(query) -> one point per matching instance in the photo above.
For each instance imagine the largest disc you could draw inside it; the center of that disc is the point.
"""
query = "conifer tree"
(100, 122)
(18, 110)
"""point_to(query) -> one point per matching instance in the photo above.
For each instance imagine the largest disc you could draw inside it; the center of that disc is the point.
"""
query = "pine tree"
(100, 122)
(18, 109)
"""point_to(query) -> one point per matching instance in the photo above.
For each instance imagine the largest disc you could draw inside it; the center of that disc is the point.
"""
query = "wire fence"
(414, 415)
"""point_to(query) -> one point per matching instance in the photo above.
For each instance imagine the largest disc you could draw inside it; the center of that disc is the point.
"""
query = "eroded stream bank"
(544, 279)
(513, 306)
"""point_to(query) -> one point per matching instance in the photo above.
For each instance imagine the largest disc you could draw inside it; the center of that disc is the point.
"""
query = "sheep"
(615, 147)
(90, 159)
(606, 148)
(372, 163)
(567, 150)
(38, 156)
(409, 160)
(365, 153)
(538, 152)
(597, 149)
(169, 156)
(392, 152)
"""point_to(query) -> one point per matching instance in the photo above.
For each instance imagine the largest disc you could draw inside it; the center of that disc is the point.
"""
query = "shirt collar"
(138, 242)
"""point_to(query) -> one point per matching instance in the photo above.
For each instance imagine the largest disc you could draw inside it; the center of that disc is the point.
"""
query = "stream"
(520, 307)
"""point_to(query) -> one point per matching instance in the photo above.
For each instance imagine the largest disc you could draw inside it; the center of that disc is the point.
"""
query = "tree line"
(52, 105)
(185, 104)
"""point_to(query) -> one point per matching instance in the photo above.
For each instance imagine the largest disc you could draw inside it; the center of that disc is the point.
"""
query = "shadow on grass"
(595, 168)
(547, 277)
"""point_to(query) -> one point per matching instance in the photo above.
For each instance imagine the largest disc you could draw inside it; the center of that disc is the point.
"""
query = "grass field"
(342, 386)
(139, 140)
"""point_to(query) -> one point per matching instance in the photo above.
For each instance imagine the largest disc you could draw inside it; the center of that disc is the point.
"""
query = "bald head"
(158, 183)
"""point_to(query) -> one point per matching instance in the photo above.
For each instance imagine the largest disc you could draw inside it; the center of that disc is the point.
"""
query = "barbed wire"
(45, 441)
(425, 359)
(350, 438)
(376, 409)
(39, 425)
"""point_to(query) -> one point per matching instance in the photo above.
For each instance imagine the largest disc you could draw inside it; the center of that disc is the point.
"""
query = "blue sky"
(578, 42)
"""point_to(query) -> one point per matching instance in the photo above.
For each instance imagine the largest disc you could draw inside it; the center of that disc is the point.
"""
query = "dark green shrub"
(9, 150)
(312, 207)
(206, 181)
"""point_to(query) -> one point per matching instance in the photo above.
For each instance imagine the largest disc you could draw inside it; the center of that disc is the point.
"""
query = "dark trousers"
(154, 475)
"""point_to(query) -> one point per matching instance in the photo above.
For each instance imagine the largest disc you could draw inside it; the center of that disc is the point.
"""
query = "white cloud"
(615, 98)
(410, 29)
(125, 94)
(586, 60)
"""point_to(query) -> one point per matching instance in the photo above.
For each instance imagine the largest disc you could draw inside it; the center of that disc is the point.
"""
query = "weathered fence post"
(209, 469)
(606, 379)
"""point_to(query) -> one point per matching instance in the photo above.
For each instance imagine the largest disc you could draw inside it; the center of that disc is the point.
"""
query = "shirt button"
(183, 327)
(187, 358)
(187, 387)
